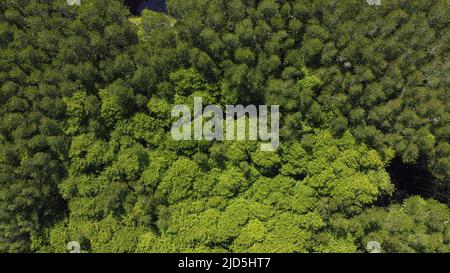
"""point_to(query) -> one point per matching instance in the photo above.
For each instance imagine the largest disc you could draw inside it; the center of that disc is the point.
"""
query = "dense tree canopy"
(86, 154)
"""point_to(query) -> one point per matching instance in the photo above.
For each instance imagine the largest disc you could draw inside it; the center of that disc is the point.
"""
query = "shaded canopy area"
(137, 6)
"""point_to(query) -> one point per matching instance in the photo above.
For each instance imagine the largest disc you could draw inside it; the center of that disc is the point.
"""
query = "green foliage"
(417, 225)
(86, 153)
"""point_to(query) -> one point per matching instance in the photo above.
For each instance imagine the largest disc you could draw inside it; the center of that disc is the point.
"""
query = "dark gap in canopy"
(137, 6)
